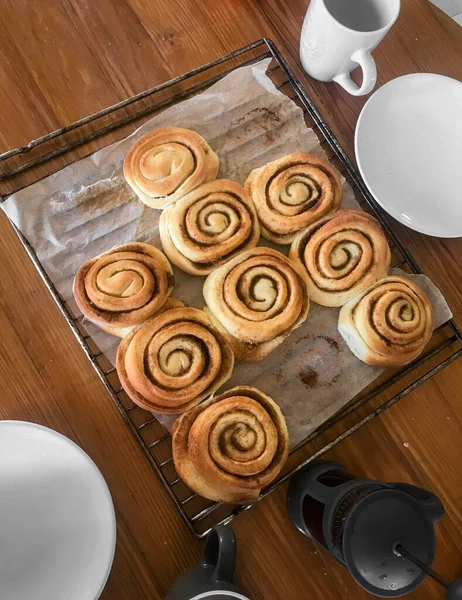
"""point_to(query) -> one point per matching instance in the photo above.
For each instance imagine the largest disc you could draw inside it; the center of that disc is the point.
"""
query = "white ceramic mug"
(339, 35)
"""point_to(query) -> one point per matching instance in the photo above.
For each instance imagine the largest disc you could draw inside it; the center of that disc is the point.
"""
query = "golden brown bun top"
(167, 163)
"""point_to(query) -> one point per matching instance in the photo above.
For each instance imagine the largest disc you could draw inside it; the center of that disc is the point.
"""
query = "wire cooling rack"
(49, 153)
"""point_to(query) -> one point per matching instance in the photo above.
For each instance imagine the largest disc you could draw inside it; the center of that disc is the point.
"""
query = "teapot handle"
(220, 554)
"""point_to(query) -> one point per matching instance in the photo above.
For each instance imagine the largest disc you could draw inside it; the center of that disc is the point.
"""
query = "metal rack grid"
(50, 153)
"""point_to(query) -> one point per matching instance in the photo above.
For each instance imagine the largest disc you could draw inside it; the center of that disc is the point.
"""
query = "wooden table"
(64, 59)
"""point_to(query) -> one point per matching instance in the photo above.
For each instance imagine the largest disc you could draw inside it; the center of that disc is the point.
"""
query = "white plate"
(57, 524)
(408, 146)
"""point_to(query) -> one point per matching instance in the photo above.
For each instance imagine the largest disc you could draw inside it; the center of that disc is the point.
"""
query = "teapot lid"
(220, 595)
(379, 522)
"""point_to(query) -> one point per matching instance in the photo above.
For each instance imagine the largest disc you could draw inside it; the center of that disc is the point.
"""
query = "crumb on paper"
(309, 377)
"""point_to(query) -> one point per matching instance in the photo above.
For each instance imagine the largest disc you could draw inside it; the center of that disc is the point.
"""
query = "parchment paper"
(87, 208)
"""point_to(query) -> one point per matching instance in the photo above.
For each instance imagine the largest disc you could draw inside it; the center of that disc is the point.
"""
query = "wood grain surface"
(63, 59)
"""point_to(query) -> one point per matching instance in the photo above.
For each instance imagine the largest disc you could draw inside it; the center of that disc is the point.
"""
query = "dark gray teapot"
(213, 577)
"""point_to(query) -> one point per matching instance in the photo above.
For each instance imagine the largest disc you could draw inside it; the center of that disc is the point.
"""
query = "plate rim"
(387, 209)
(94, 467)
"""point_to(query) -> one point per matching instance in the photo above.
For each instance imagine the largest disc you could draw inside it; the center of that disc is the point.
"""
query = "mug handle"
(367, 64)
(220, 554)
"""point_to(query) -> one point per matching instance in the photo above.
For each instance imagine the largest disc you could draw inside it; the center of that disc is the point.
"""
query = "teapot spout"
(427, 500)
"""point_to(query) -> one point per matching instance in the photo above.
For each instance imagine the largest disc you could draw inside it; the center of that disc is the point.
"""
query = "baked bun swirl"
(389, 324)
(209, 226)
(229, 447)
(167, 163)
(257, 299)
(343, 255)
(293, 192)
(173, 361)
(122, 288)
